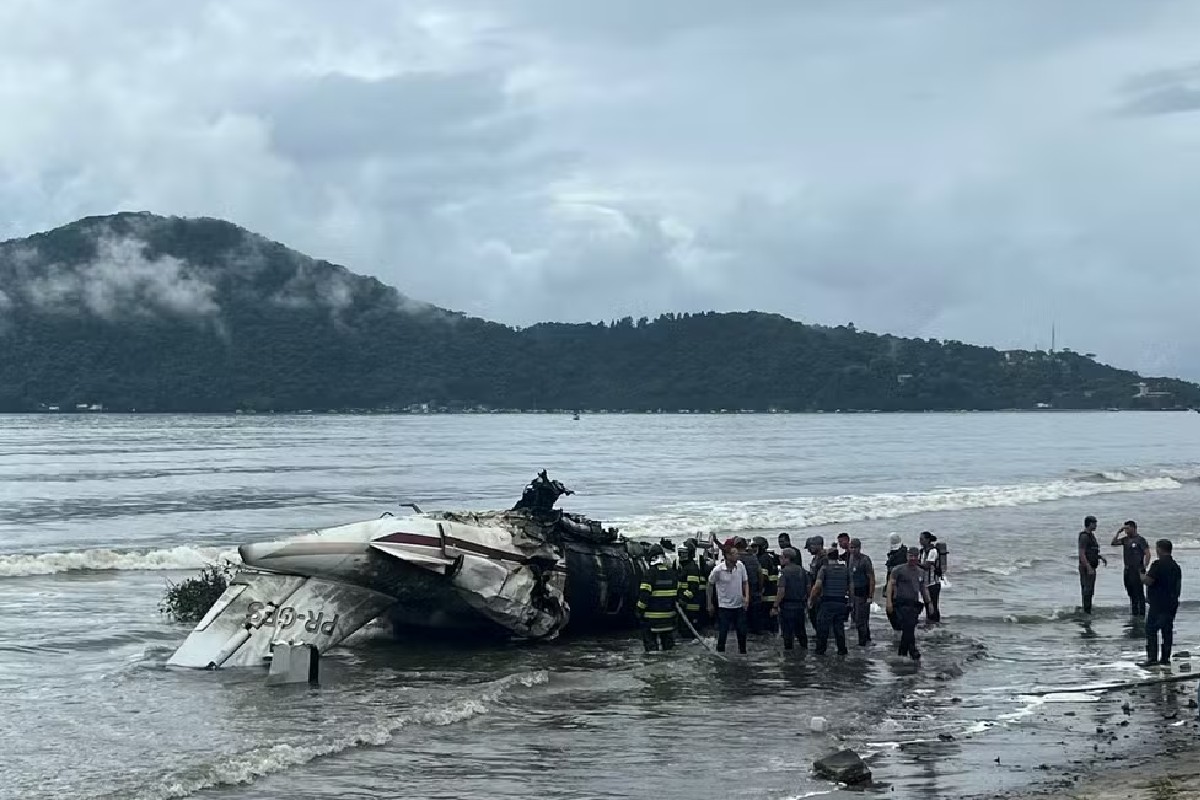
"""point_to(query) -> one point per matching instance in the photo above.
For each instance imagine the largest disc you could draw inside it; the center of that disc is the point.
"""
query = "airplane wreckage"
(532, 572)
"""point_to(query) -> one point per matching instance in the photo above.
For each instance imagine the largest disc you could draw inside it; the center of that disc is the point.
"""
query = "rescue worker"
(843, 546)
(932, 562)
(897, 555)
(831, 592)
(816, 547)
(862, 590)
(1089, 560)
(770, 575)
(1136, 551)
(905, 592)
(692, 579)
(657, 596)
(794, 586)
(1164, 581)
(755, 581)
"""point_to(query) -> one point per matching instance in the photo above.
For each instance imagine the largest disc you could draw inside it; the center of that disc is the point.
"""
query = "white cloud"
(966, 170)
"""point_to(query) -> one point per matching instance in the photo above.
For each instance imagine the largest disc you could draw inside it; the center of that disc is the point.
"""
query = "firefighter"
(692, 579)
(657, 596)
(770, 583)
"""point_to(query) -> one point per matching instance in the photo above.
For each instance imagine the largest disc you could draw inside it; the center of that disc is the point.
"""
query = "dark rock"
(1191, 703)
(843, 767)
(1069, 714)
(1099, 730)
(956, 700)
(1183, 654)
(1128, 709)
(1170, 715)
(946, 737)
(1124, 722)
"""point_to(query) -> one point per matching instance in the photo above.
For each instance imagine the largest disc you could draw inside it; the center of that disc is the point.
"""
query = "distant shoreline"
(561, 413)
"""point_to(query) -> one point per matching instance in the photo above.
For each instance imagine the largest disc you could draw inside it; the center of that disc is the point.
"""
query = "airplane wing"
(259, 609)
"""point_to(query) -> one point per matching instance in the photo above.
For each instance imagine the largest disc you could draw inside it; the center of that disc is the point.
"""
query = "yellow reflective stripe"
(659, 614)
(645, 587)
(664, 593)
(641, 604)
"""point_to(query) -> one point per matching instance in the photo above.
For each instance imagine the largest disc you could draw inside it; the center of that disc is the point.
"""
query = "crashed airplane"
(532, 572)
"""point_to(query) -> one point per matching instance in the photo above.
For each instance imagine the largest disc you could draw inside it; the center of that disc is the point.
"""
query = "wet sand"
(1146, 745)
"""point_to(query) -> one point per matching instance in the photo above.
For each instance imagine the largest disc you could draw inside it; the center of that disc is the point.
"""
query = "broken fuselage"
(528, 573)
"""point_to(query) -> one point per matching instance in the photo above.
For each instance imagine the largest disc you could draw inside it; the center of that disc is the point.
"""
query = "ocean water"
(98, 513)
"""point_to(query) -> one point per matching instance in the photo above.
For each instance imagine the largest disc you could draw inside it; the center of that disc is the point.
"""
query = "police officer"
(790, 602)
(692, 579)
(816, 548)
(657, 596)
(770, 575)
(831, 593)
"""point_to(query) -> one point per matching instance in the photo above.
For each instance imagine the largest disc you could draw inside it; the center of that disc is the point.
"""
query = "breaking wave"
(685, 519)
(244, 768)
(171, 558)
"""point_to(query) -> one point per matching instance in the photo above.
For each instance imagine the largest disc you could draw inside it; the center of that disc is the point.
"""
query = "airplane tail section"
(260, 609)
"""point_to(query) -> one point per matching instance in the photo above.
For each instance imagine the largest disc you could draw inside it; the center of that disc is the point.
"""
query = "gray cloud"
(931, 168)
(118, 282)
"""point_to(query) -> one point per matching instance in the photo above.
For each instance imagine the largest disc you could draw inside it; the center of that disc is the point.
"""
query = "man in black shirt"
(1164, 581)
(1137, 557)
(1089, 559)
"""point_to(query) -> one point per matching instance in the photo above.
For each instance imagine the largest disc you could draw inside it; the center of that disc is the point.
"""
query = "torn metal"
(532, 572)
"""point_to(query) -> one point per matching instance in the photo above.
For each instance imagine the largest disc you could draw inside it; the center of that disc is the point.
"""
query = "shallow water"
(97, 513)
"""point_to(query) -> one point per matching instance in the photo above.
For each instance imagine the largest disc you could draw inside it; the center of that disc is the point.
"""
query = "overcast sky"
(965, 169)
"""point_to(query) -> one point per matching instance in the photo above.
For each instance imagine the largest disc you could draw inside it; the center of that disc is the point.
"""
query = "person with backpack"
(933, 563)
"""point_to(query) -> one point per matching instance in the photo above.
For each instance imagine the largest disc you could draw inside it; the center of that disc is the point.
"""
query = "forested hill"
(140, 312)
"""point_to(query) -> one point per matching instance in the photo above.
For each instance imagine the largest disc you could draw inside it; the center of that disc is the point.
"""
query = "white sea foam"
(244, 768)
(171, 558)
(685, 519)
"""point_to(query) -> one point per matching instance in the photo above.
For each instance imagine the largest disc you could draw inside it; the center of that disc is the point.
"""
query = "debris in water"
(190, 600)
(845, 766)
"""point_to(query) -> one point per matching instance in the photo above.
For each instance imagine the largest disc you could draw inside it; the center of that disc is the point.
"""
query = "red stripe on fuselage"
(434, 541)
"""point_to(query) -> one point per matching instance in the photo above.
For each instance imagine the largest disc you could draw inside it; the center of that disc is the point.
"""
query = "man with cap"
(906, 594)
(830, 594)
(862, 590)
(754, 578)
(794, 586)
(657, 596)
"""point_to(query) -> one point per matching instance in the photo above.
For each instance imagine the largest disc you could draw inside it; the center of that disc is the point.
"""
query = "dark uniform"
(895, 558)
(818, 560)
(834, 578)
(1087, 579)
(1166, 582)
(657, 595)
(1134, 549)
(754, 580)
(770, 576)
(692, 580)
(796, 585)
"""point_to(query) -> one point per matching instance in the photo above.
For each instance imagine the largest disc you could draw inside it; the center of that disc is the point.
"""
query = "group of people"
(745, 587)
(1153, 589)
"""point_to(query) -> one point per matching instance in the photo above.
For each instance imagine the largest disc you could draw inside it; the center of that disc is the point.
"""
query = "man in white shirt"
(729, 597)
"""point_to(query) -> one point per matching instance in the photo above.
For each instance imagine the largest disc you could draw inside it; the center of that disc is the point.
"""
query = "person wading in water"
(1136, 551)
(905, 592)
(1089, 559)
(1164, 581)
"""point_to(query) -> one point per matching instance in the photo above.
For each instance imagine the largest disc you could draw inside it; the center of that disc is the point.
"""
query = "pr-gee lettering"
(259, 614)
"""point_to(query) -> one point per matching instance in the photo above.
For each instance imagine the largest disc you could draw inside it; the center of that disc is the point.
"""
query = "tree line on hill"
(138, 312)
